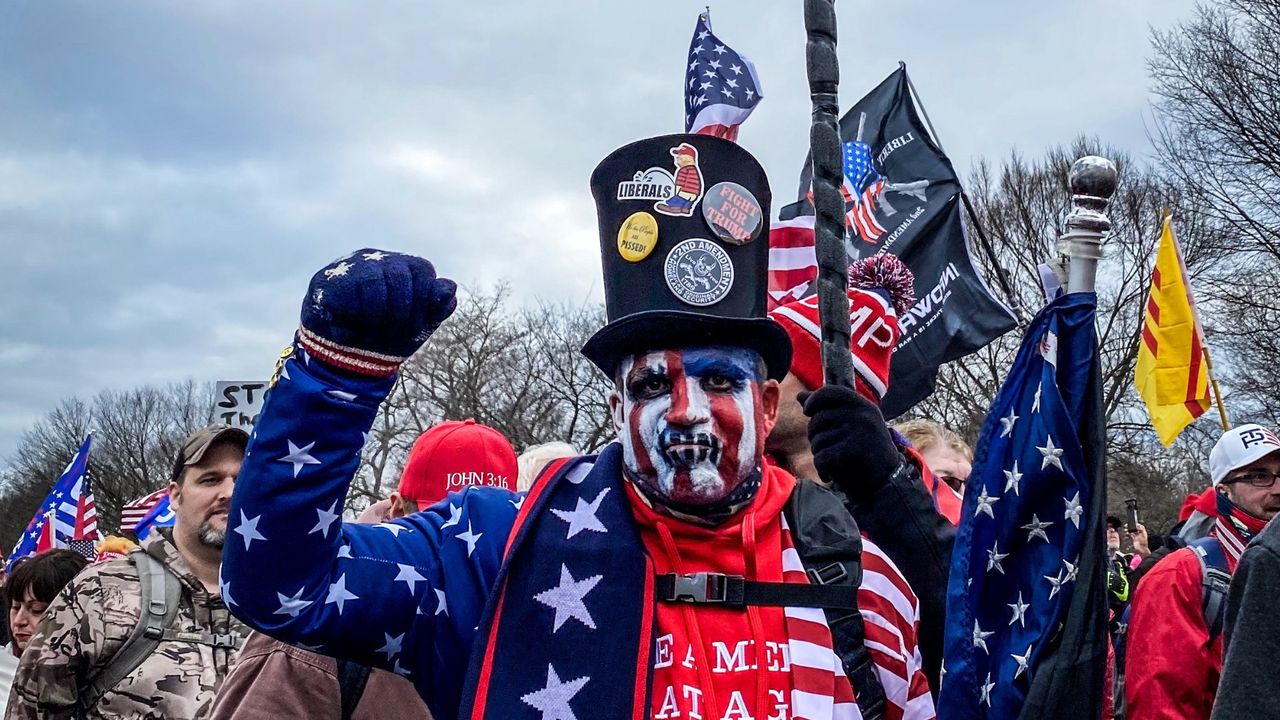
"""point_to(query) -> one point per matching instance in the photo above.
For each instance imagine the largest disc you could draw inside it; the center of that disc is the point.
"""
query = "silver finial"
(1093, 182)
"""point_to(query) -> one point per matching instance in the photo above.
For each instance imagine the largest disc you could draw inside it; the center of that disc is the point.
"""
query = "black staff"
(828, 204)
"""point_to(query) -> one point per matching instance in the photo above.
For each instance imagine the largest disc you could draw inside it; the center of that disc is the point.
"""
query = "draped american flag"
(721, 85)
(67, 518)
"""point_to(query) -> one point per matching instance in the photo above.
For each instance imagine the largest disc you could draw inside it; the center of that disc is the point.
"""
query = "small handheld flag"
(721, 85)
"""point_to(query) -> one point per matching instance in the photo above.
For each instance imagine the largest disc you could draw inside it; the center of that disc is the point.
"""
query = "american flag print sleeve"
(404, 595)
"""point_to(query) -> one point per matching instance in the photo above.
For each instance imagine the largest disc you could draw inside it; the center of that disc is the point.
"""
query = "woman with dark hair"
(32, 585)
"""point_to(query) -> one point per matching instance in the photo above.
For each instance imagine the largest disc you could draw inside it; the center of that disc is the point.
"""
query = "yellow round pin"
(637, 237)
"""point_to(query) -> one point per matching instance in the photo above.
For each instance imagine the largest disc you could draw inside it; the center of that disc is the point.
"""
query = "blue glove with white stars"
(368, 312)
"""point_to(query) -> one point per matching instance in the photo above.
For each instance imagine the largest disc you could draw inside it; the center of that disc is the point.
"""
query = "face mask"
(690, 422)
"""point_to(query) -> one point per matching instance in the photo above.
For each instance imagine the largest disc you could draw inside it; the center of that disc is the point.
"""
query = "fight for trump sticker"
(638, 236)
(732, 213)
(698, 272)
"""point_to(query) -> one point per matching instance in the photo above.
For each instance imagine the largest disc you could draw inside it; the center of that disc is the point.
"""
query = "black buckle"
(700, 587)
(828, 575)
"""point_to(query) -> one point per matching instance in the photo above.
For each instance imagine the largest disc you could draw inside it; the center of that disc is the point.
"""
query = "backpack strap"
(160, 594)
(352, 677)
(826, 535)
(1215, 582)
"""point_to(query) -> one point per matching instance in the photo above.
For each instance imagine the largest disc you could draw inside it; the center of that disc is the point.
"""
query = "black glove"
(852, 447)
(369, 311)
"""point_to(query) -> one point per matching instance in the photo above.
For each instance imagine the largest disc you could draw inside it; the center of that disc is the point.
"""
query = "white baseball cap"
(1240, 446)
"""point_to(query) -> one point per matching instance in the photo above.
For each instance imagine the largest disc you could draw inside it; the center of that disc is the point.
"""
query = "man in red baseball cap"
(451, 456)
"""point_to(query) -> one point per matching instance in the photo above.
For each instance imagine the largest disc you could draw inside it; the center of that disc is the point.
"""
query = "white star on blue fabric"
(984, 692)
(1052, 455)
(985, 502)
(1022, 661)
(1036, 528)
(224, 591)
(1074, 510)
(980, 637)
(567, 599)
(339, 595)
(291, 606)
(409, 576)
(1006, 424)
(1019, 611)
(341, 395)
(994, 556)
(392, 646)
(518, 502)
(1035, 404)
(470, 538)
(1071, 570)
(583, 515)
(1012, 479)
(324, 519)
(1055, 583)
(553, 699)
(374, 256)
(338, 270)
(299, 456)
(393, 528)
(441, 607)
(455, 514)
(248, 529)
(344, 552)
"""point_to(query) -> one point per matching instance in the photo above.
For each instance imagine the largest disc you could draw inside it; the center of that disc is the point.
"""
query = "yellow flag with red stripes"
(1172, 374)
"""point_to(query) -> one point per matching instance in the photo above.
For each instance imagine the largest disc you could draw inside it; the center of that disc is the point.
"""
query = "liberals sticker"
(637, 237)
(733, 213)
(699, 272)
(674, 193)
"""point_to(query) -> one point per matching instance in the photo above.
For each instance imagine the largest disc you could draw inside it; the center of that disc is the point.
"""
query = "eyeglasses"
(953, 482)
(1258, 479)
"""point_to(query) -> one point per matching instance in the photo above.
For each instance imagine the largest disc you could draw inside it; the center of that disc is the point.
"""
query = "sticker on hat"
(675, 194)
(732, 213)
(638, 236)
(699, 272)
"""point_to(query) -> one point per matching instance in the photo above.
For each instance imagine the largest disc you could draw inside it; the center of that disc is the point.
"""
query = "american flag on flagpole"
(721, 85)
(793, 263)
(67, 518)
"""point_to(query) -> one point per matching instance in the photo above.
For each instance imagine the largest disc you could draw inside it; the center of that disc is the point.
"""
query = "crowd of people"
(754, 543)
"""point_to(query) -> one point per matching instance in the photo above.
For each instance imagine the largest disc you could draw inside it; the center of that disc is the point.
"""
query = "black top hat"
(684, 241)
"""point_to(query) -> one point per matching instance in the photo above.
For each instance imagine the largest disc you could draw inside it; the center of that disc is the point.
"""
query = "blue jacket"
(376, 594)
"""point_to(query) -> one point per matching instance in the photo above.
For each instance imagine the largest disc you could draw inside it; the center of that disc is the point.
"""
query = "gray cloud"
(171, 174)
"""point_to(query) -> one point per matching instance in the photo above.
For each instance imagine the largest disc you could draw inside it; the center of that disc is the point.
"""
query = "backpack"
(161, 594)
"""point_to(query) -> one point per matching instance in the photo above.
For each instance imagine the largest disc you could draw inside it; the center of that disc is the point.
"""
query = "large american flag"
(721, 85)
(1024, 598)
(793, 262)
(67, 518)
(861, 186)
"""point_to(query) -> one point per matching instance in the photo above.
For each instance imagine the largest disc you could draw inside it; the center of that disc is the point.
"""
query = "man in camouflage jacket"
(91, 619)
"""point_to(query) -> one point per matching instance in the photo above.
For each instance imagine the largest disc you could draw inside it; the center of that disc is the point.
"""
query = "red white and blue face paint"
(690, 421)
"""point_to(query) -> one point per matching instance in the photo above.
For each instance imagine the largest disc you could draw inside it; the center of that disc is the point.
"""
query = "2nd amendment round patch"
(638, 236)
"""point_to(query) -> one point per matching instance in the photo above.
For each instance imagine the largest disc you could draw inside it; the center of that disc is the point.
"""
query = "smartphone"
(1131, 505)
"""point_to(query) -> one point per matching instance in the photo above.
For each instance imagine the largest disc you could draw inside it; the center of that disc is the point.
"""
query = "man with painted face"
(675, 574)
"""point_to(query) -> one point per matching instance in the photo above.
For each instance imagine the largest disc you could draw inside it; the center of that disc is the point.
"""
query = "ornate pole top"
(1093, 181)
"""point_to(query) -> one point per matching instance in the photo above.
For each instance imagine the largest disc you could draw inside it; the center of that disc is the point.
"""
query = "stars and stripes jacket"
(444, 598)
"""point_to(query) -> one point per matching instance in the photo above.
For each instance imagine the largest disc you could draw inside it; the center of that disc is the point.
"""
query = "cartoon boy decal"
(688, 183)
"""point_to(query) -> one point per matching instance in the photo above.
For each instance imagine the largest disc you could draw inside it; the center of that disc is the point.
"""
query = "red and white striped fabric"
(891, 615)
(138, 508)
(792, 262)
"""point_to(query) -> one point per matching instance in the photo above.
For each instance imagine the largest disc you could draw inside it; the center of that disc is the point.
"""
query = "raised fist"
(852, 447)
(369, 311)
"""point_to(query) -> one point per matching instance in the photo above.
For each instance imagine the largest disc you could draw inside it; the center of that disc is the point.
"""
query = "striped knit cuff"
(361, 362)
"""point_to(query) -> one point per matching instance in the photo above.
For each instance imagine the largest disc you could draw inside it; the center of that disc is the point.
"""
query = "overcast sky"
(171, 174)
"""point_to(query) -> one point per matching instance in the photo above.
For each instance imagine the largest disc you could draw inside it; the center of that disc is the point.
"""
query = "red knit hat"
(880, 287)
(453, 455)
